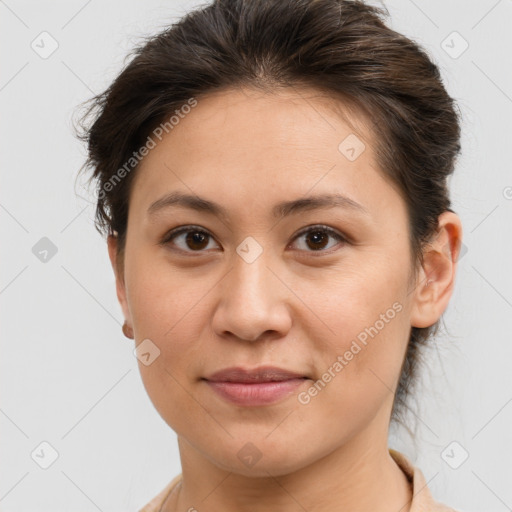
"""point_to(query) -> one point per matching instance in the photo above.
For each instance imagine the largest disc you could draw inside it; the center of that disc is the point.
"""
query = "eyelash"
(168, 237)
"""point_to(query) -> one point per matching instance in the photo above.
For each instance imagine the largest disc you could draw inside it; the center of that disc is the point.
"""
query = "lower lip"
(261, 393)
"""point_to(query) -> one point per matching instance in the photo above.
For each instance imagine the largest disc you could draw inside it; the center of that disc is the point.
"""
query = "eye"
(317, 238)
(195, 239)
(191, 237)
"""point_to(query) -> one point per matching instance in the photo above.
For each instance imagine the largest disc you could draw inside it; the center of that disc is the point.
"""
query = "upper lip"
(260, 374)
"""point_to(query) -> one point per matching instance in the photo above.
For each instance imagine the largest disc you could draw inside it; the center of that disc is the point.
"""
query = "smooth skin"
(298, 305)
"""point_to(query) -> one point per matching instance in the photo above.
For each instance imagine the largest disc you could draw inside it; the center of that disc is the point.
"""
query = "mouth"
(260, 386)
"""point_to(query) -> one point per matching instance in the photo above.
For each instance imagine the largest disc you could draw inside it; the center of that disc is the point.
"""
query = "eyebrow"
(280, 210)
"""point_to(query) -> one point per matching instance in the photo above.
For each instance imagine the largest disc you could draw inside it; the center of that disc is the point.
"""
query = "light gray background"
(69, 376)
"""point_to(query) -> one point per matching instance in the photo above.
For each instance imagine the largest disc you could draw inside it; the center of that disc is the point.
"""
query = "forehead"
(262, 146)
(241, 117)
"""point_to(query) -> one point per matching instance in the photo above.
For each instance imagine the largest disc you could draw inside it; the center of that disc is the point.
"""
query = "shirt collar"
(422, 500)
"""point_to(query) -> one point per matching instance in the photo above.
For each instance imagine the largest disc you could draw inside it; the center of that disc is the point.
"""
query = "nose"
(252, 302)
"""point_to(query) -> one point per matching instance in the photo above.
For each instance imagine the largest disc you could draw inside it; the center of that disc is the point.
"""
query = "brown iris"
(318, 237)
(197, 237)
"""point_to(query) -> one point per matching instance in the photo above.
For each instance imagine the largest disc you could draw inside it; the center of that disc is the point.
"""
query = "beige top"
(422, 500)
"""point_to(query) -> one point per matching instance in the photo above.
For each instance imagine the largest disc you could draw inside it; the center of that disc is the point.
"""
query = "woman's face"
(254, 288)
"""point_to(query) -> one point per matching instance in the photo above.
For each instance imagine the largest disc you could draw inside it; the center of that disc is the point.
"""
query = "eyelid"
(180, 229)
(323, 227)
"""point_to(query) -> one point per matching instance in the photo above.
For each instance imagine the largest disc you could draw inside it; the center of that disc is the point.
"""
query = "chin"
(261, 458)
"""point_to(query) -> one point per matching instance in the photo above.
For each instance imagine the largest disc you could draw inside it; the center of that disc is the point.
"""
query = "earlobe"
(436, 279)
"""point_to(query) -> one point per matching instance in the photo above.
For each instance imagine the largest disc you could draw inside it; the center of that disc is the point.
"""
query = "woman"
(271, 176)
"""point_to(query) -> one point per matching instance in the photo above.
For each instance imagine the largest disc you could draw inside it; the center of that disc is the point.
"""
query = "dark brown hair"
(340, 47)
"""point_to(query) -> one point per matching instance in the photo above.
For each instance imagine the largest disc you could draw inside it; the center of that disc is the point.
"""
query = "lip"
(259, 386)
(260, 374)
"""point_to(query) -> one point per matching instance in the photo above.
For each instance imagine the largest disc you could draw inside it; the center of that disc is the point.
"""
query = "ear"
(436, 279)
(118, 266)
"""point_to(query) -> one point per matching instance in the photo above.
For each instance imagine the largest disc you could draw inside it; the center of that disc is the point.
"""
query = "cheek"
(366, 313)
(361, 293)
(163, 301)
(167, 309)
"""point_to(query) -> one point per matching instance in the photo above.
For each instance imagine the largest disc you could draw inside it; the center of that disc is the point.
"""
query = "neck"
(360, 475)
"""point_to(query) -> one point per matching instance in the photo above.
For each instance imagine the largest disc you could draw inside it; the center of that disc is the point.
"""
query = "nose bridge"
(251, 299)
(250, 275)
(249, 286)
